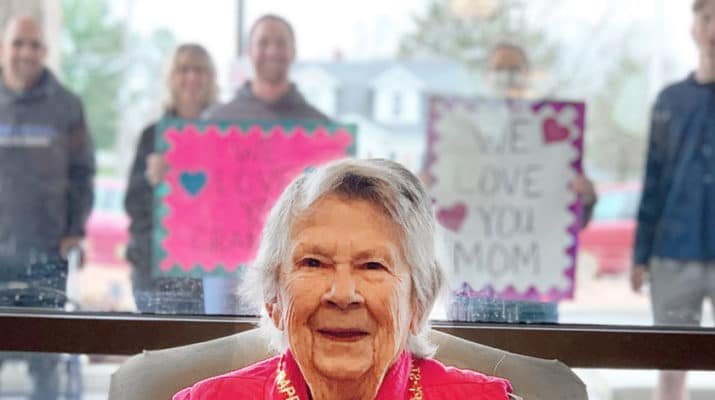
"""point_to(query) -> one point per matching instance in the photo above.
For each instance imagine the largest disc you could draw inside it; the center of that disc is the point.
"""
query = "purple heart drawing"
(553, 132)
(453, 217)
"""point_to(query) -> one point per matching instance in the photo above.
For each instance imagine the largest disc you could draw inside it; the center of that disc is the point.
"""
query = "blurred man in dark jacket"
(46, 173)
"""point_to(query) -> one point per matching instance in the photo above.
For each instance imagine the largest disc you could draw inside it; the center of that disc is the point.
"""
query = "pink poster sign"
(501, 173)
(221, 183)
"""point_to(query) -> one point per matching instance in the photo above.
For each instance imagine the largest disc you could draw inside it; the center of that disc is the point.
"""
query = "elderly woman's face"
(346, 290)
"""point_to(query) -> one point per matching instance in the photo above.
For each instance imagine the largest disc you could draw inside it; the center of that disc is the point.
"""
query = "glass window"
(563, 143)
(397, 105)
(498, 106)
(615, 205)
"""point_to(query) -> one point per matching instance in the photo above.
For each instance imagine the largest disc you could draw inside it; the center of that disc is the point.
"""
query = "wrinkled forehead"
(336, 226)
(330, 204)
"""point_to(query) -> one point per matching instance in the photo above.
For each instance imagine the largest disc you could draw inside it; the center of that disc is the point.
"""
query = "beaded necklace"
(287, 390)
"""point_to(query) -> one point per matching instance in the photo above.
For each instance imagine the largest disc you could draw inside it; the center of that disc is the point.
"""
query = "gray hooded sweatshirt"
(246, 106)
(46, 170)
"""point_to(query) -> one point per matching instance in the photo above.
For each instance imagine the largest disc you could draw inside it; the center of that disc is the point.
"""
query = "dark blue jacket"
(676, 218)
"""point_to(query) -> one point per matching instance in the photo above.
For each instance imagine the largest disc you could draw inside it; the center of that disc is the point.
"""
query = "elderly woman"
(347, 274)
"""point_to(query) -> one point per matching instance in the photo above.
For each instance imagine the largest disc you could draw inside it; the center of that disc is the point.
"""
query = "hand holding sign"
(156, 168)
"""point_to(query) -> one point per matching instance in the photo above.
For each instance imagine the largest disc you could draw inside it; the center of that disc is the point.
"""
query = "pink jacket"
(258, 382)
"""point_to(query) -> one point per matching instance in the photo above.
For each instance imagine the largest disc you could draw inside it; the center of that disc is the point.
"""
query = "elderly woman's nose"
(343, 290)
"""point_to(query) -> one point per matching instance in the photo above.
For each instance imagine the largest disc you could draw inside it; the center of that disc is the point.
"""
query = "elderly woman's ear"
(275, 314)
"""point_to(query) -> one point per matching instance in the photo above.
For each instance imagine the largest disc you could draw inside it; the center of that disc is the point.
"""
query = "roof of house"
(438, 75)
(354, 80)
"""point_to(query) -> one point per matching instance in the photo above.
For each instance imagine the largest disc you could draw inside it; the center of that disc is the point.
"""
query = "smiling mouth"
(343, 335)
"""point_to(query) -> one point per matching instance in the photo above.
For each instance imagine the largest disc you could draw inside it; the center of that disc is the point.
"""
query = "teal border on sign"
(163, 189)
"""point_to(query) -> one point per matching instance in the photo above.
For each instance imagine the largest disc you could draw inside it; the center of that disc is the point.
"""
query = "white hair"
(384, 183)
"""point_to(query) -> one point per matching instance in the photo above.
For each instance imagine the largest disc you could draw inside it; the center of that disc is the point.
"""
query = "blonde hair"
(196, 51)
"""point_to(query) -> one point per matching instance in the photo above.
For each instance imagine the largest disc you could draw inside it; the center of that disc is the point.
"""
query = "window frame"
(579, 346)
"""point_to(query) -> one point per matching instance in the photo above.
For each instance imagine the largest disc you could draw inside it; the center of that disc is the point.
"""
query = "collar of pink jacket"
(394, 386)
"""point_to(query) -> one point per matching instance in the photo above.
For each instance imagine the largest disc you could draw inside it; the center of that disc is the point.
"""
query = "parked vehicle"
(609, 237)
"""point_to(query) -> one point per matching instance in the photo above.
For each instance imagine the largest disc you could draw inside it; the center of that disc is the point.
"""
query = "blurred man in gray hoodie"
(269, 96)
(46, 173)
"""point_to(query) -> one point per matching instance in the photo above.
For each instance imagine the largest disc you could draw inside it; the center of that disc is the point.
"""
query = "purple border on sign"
(510, 292)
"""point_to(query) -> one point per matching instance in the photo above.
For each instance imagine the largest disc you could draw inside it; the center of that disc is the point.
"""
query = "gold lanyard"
(285, 386)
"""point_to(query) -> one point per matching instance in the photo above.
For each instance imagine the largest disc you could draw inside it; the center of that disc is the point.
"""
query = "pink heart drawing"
(553, 132)
(453, 217)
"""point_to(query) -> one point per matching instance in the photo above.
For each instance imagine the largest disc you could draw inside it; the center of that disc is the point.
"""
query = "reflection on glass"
(380, 76)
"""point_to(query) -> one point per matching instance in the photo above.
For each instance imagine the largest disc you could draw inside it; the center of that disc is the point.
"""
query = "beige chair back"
(154, 375)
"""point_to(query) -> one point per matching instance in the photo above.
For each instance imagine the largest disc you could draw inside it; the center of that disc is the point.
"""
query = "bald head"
(508, 70)
(22, 53)
(23, 23)
(506, 55)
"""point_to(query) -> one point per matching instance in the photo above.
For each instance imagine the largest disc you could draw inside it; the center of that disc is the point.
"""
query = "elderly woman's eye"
(373, 265)
(310, 262)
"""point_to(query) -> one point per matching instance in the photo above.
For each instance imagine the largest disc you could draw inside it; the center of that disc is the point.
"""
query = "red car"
(609, 236)
(108, 225)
